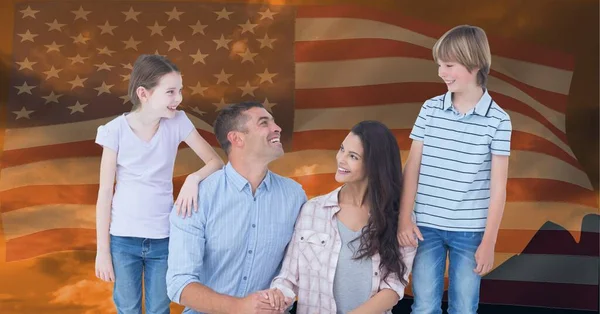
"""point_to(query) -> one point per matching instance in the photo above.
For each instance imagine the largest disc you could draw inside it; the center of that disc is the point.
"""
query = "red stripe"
(88, 148)
(50, 241)
(367, 95)
(542, 294)
(518, 189)
(331, 139)
(351, 49)
(499, 46)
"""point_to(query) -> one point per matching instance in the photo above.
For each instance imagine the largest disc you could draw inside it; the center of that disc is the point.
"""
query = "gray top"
(352, 281)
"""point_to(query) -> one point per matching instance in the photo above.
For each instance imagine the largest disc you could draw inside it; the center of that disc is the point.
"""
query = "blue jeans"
(132, 258)
(429, 267)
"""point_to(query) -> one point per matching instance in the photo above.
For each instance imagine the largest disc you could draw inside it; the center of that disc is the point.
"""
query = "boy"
(455, 177)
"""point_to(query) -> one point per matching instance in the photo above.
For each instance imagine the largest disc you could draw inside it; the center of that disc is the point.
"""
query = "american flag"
(318, 69)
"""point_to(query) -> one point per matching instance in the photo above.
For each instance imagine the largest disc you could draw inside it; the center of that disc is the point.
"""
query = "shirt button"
(249, 251)
(253, 226)
(245, 278)
(375, 273)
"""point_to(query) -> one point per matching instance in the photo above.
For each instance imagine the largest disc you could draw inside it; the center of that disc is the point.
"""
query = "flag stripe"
(518, 190)
(18, 138)
(501, 47)
(331, 139)
(364, 48)
(346, 118)
(331, 74)
(65, 239)
(84, 170)
(87, 148)
(81, 213)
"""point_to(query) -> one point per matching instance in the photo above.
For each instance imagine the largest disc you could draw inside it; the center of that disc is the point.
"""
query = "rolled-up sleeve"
(392, 281)
(186, 252)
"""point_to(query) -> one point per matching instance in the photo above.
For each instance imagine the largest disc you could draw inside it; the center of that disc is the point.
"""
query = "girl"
(139, 150)
(344, 256)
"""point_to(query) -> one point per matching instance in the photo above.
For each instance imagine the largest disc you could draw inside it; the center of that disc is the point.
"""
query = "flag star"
(266, 76)
(266, 42)
(125, 99)
(127, 66)
(223, 14)
(102, 89)
(52, 72)
(156, 53)
(27, 36)
(131, 15)
(77, 107)
(53, 47)
(268, 105)
(29, 12)
(223, 77)
(23, 113)
(77, 82)
(222, 42)
(174, 14)
(198, 111)
(247, 55)
(106, 28)
(103, 66)
(81, 14)
(105, 51)
(55, 26)
(51, 98)
(174, 44)
(268, 14)
(80, 39)
(221, 105)
(78, 59)
(198, 28)
(199, 57)
(24, 88)
(198, 89)
(26, 64)
(248, 27)
(131, 43)
(248, 89)
(125, 77)
(156, 29)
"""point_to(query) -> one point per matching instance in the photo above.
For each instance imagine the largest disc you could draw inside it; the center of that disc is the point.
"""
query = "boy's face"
(456, 76)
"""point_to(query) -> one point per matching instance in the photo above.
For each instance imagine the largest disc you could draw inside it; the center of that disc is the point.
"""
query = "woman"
(344, 256)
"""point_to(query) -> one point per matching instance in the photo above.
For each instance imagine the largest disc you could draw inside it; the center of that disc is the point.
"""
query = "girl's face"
(164, 98)
(350, 162)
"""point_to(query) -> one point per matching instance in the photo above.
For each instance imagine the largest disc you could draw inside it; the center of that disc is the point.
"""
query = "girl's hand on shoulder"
(187, 201)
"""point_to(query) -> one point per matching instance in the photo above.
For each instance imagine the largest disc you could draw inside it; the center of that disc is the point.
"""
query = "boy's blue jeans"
(429, 267)
(131, 258)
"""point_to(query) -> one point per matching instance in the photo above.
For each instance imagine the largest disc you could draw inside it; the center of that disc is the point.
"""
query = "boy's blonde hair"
(467, 45)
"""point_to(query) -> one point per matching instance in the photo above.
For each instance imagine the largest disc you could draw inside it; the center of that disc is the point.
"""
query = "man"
(221, 257)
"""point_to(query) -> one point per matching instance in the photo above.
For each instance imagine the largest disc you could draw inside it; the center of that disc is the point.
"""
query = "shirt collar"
(240, 182)
(481, 108)
(331, 201)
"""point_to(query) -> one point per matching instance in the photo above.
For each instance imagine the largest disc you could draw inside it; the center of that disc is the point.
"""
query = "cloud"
(92, 296)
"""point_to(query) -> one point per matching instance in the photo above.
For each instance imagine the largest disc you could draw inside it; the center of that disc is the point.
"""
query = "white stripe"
(400, 116)
(348, 73)
(34, 219)
(315, 29)
(85, 170)
(66, 133)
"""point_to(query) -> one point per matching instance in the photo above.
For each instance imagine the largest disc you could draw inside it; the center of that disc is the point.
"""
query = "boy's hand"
(407, 230)
(484, 256)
